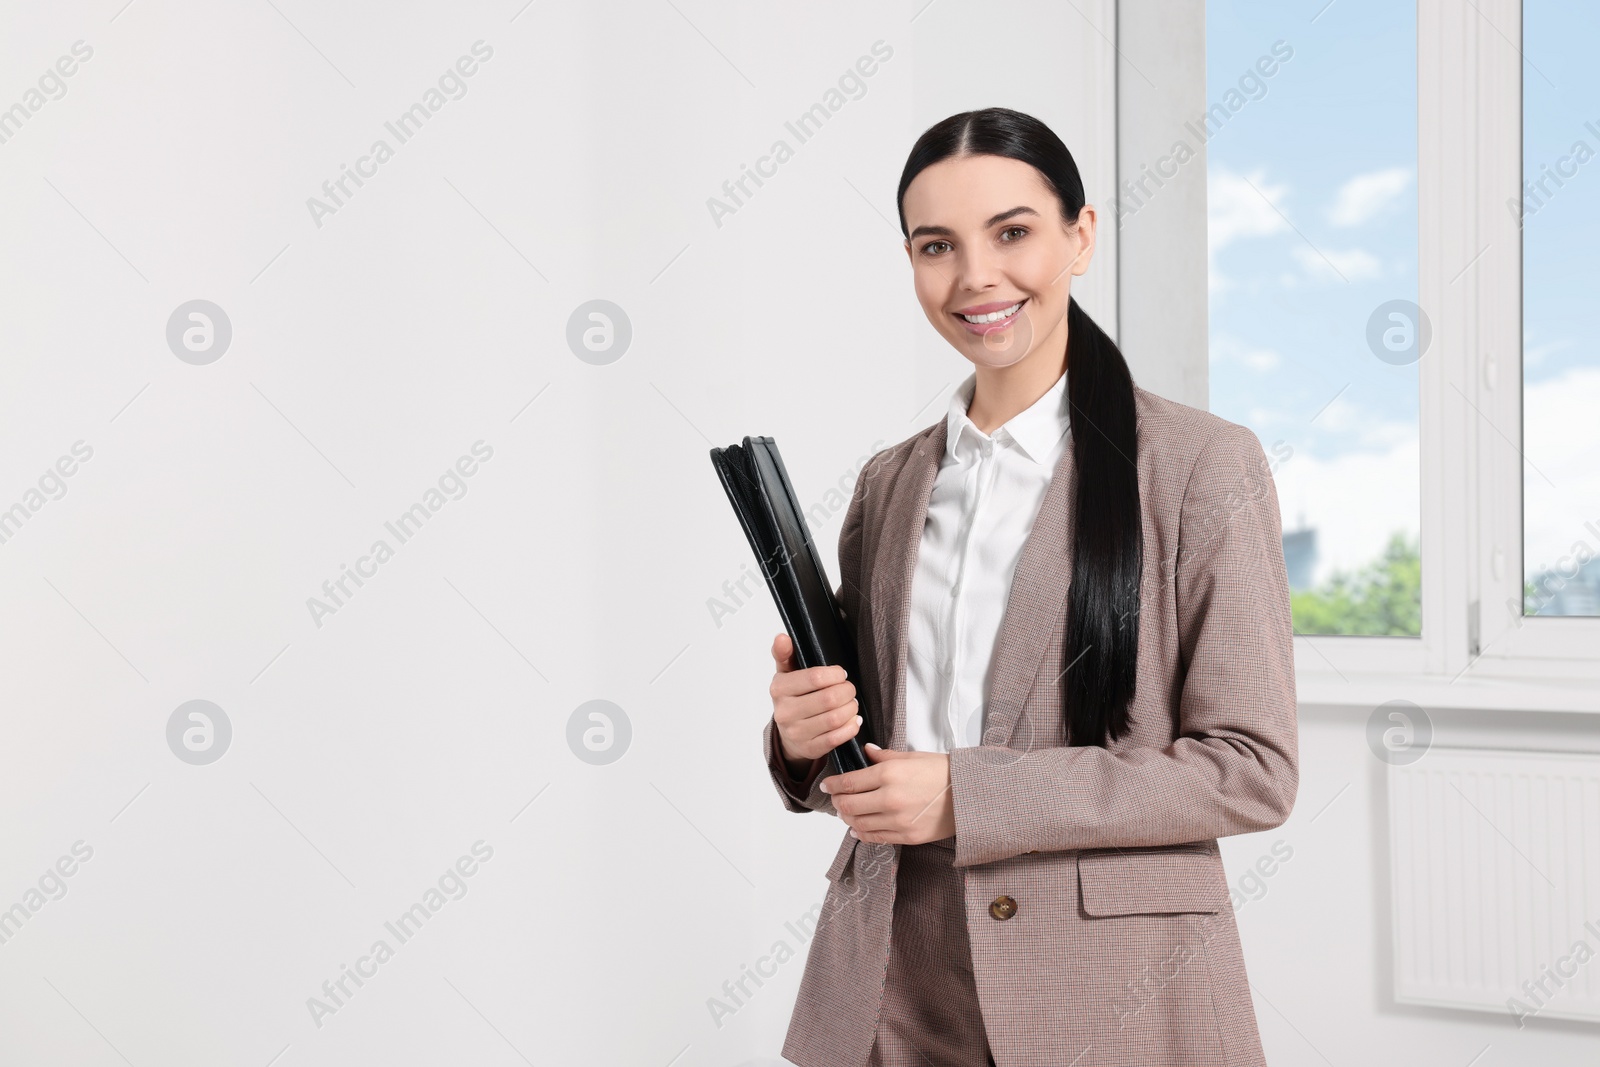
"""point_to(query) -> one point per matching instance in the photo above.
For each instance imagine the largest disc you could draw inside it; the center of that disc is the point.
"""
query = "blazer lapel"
(1034, 607)
(896, 561)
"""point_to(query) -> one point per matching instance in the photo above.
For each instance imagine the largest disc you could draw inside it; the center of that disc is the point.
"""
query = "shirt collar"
(1035, 430)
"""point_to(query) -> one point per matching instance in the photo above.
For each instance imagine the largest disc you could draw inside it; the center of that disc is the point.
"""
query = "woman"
(1072, 614)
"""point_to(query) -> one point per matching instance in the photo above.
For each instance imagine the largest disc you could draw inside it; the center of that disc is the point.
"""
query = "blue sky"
(1313, 225)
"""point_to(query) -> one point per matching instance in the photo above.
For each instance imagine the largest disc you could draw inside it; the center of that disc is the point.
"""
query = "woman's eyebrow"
(945, 231)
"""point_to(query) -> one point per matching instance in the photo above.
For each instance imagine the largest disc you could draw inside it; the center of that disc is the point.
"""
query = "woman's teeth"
(994, 316)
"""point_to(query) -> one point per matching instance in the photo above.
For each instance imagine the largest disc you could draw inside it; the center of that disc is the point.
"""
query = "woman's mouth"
(993, 321)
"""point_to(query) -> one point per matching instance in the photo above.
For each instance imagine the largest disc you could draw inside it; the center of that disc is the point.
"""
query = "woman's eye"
(1017, 229)
(927, 248)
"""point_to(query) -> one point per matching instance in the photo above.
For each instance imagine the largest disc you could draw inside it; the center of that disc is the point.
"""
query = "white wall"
(1317, 930)
(368, 354)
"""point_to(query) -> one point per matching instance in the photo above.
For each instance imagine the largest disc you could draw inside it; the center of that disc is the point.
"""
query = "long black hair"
(1102, 645)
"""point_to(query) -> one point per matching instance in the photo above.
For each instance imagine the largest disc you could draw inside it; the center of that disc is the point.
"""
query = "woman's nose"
(977, 271)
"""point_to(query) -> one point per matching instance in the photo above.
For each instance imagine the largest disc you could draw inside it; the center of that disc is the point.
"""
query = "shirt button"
(1003, 907)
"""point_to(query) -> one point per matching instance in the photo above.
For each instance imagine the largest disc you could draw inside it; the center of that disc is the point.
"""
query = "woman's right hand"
(815, 709)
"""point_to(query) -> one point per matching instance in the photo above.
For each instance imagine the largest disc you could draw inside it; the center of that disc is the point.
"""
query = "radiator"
(1495, 870)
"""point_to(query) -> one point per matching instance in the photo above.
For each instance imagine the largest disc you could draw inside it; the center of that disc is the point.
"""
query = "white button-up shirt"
(985, 497)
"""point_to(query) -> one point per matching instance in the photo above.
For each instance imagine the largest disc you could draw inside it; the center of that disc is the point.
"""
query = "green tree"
(1384, 598)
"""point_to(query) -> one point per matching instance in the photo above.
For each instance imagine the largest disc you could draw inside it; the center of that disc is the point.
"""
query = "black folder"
(758, 488)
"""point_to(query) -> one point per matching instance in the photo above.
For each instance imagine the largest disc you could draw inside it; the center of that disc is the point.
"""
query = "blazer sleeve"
(804, 795)
(1234, 765)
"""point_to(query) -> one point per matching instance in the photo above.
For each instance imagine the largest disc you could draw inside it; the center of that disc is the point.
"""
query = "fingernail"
(825, 787)
(859, 720)
(871, 745)
(855, 835)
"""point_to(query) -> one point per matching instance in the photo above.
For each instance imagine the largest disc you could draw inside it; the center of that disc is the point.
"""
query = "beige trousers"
(930, 1014)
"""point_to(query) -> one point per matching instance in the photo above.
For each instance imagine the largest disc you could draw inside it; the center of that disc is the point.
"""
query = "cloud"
(1558, 438)
(1352, 264)
(1535, 354)
(1359, 423)
(1355, 500)
(1339, 415)
(1226, 348)
(1365, 196)
(1234, 209)
(1385, 435)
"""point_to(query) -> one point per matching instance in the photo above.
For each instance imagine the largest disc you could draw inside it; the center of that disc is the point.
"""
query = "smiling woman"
(1024, 257)
(1071, 612)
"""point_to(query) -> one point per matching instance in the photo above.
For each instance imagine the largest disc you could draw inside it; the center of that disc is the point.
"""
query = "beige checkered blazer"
(1122, 948)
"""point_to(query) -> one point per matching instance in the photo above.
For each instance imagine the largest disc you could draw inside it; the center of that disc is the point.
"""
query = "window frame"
(1520, 646)
(1472, 653)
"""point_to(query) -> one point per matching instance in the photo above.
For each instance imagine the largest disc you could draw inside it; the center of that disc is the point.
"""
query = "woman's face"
(986, 234)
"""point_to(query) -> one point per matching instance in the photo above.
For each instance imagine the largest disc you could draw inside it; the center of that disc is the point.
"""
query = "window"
(1316, 336)
(1560, 219)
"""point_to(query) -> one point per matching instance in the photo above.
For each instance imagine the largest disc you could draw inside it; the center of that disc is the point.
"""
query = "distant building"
(1300, 554)
(1556, 594)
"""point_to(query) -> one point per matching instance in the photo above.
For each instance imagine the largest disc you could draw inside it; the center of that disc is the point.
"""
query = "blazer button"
(1003, 907)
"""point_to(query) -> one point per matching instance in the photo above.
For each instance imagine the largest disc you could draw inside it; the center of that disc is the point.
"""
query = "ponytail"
(1102, 647)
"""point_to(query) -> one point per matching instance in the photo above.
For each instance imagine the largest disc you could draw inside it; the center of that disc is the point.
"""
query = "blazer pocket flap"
(1146, 881)
(847, 849)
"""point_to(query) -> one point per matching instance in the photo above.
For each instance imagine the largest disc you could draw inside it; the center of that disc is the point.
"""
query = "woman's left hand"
(903, 798)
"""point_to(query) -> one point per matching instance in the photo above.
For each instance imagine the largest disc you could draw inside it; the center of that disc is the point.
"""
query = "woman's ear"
(1086, 236)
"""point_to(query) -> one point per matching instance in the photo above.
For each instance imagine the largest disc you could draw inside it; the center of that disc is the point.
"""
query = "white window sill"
(1563, 689)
